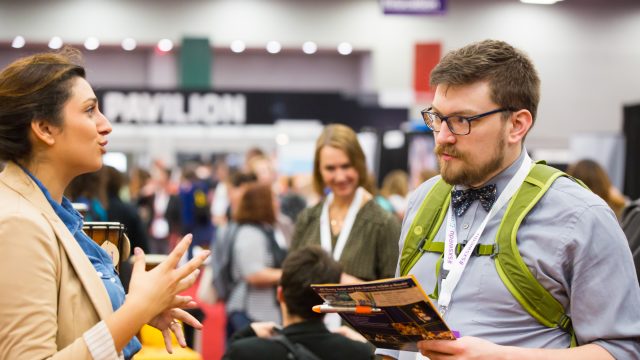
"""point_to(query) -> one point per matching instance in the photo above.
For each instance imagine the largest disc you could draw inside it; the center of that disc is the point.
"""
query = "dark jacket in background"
(311, 333)
(631, 227)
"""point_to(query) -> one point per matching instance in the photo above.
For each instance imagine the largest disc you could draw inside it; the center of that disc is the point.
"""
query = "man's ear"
(44, 131)
(279, 295)
(519, 124)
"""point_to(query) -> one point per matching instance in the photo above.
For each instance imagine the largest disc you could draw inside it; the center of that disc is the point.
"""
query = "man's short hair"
(303, 267)
(513, 80)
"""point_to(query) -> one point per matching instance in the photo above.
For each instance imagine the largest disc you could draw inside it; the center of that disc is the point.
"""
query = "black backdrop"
(631, 130)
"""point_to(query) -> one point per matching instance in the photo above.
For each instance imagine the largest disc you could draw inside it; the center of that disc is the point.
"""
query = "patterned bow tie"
(462, 199)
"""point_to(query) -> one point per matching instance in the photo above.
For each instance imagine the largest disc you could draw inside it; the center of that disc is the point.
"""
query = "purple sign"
(414, 7)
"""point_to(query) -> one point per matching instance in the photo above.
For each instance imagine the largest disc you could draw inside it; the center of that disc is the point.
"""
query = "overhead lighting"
(55, 43)
(309, 47)
(92, 43)
(238, 46)
(344, 48)
(273, 47)
(540, 2)
(129, 44)
(18, 42)
(165, 45)
(282, 139)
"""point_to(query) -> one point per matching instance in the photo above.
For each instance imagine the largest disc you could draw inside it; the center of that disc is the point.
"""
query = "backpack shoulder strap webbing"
(509, 263)
(425, 225)
(295, 351)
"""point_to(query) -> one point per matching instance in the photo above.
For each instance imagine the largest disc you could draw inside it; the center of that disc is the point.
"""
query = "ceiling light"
(129, 44)
(344, 48)
(18, 42)
(165, 45)
(92, 43)
(55, 43)
(540, 2)
(238, 46)
(309, 47)
(273, 47)
(282, 139)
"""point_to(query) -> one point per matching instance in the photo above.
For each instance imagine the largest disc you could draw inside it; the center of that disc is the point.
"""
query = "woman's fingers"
(166, 335)
(176, 254)
(176, 327)
(189, 280)
(193, 264)
(139, 263)
(180, 301)
(186, 318)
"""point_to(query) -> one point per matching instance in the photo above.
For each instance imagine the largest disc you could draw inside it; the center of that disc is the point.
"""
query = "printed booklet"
(391, 313)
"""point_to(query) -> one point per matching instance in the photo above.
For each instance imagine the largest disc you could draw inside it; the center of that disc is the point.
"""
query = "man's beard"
(469, 173)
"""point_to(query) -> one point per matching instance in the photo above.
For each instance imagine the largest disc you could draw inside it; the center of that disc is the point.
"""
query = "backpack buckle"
(496, 250)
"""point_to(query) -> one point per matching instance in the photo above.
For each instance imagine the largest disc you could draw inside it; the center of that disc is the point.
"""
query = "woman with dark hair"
(256, 260)
(348, 223)
(62, 298)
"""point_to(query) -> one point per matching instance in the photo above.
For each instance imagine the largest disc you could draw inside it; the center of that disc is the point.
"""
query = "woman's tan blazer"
(50, 294)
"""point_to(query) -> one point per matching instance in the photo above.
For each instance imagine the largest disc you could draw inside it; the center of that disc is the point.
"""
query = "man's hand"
(473, 348)
(465, 348)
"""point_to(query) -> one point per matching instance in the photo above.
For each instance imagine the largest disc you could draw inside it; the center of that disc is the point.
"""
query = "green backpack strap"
(425, 225)
(512, 269)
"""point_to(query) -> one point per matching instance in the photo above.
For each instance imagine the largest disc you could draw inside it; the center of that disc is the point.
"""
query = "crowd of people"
(276, 238)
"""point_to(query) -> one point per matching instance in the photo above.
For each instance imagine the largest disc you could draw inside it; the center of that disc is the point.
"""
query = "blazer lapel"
(18, 180)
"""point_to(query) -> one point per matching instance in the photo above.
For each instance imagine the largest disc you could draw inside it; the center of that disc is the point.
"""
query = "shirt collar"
(65, 211)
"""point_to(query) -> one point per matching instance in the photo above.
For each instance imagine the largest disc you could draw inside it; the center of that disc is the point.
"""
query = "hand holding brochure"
(391, 313)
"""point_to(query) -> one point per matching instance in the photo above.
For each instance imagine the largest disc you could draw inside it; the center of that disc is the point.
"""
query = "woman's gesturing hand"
(155, 291)
(167, 322)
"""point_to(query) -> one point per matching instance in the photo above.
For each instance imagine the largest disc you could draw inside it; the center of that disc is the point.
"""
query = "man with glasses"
(484, 105)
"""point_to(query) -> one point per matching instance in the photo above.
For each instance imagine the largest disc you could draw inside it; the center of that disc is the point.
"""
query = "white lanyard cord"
(456, 266)
(325, 226)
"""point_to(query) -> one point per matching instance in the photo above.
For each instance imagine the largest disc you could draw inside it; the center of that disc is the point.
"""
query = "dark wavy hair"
(34, 87)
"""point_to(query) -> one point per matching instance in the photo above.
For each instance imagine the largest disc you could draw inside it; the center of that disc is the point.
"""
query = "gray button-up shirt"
(572, 243)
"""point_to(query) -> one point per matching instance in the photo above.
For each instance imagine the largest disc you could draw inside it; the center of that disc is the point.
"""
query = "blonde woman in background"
(395, 187)
(348, 223)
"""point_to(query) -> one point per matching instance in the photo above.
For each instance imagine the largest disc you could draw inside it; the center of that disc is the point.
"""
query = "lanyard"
(325, 227)
(456, 266)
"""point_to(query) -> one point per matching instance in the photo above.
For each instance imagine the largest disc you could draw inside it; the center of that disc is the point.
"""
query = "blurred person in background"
(255, 261)
(160, 209)
(88, 189)
(62, 298)
(291, 202)
(395, 187)
(306, 266)
(348, 223)
(196, 208)
(220, 201)
(264, 169)
(596, 178)
(121, 211)
(124, 213)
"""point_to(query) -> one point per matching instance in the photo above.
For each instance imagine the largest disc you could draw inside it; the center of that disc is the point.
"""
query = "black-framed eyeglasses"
(459, 125)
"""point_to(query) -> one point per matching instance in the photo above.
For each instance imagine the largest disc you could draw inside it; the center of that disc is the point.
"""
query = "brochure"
(391, 313)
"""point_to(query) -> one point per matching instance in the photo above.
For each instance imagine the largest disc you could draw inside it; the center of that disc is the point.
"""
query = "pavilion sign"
(157, 107)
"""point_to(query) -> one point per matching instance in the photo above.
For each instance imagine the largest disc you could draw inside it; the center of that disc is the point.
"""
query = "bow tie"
(462, 199)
